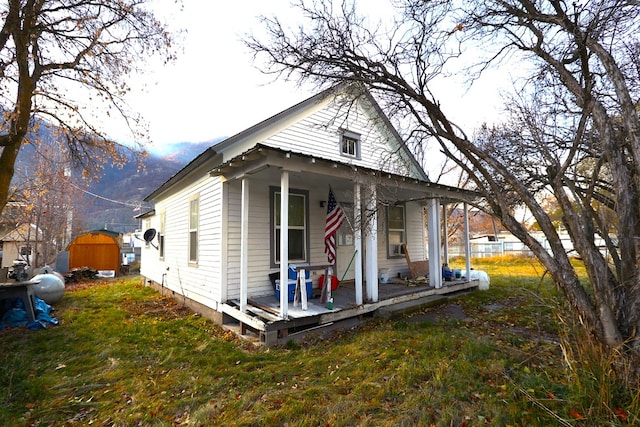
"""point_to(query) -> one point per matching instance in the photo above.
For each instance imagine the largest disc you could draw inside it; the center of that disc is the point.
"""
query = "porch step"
(402, 309)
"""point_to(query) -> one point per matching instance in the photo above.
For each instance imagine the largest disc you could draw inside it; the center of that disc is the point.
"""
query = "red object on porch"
(334, 282)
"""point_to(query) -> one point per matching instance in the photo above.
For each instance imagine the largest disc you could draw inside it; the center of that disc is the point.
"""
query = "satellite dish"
(149, 235)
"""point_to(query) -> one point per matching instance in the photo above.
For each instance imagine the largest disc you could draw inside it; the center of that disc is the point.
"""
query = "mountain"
(182, 152)
(116, 198)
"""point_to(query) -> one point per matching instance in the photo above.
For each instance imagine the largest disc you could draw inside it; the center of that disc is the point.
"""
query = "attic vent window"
(350, 145)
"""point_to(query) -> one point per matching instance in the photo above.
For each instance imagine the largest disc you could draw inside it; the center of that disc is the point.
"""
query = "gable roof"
(109, 233)
(215, 150)
(97, 236)
(22, 232)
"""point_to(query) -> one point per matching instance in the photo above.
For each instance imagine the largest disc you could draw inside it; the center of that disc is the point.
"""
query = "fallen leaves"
(621, 414)
(575, 414)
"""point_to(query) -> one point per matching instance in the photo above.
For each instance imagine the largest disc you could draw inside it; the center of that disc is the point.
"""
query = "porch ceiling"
(266, 163)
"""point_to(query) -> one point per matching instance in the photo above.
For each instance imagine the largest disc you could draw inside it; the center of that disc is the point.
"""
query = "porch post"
(224, 242)
(445, 233)
(357, 237)
(284, 244)
(372, 246)
(467, 242)
(435, 256)
(244, 244)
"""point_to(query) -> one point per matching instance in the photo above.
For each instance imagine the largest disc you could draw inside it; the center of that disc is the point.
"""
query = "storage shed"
(97, 249)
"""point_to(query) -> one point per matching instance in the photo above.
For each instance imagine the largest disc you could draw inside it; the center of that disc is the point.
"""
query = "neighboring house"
(217, 230)
(131, 247)
(505, 243)
(19, 244)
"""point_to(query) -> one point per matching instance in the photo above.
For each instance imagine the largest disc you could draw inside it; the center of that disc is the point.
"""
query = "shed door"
(96, 256)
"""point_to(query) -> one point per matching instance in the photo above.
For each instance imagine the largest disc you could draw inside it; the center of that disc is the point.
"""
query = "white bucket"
(384, 275)
(482, 277)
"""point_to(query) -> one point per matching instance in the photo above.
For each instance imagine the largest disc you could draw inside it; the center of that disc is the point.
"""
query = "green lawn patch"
(122, 355)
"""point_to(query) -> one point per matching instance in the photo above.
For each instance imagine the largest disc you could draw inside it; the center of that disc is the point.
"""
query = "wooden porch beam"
(435, 256)
(245, 318)
(445, 233)
(284, 244)
(244, 244)
(467, 242)
(371, 243)
(357, 232)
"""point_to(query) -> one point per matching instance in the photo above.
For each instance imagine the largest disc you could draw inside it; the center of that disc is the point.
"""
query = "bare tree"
(47, 191)
(583, 70)
(66, 63)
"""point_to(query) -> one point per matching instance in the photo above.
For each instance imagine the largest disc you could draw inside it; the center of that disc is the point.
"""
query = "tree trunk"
(7, 162)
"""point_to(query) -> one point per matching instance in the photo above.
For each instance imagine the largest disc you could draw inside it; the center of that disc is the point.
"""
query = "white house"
(19, 244)
(222, 224)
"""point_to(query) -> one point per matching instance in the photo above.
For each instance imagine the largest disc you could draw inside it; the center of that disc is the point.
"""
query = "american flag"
(335, 216)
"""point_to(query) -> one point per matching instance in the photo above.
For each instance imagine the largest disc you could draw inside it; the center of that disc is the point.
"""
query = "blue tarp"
(16, 315)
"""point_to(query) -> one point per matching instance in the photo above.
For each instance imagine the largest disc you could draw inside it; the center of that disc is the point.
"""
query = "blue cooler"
(293, 275)
(292, 288)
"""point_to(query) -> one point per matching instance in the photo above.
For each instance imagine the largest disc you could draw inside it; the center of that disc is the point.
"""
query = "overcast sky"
(214, 89)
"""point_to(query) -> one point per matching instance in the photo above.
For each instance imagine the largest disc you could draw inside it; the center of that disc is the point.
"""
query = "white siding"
(150, 265)
(415, 230)
(316, 131)
(203, 282)
(259, 240)
(260, 236)
(11, 252)
(319, 135)
(200, 282)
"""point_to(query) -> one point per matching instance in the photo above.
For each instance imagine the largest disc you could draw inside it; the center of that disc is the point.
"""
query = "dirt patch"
(165, 308)
(441, 314)
(162, 308)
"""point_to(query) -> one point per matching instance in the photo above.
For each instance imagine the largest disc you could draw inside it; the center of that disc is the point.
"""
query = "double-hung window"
(350, 144)
(194, 219)
(396, 230)
(298, 234)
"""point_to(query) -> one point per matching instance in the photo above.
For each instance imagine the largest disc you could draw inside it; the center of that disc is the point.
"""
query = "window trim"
(161, 235)
(391, 255)
(193, 258)
(274, 232)
(345, 134)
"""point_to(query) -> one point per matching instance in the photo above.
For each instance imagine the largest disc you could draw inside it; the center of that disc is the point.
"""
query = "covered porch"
(373, 246)
(262, 321)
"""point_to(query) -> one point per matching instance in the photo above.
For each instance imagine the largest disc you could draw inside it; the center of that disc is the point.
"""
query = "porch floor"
(344, 297)
(264, 311)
